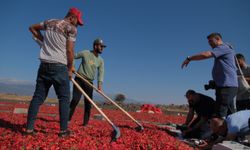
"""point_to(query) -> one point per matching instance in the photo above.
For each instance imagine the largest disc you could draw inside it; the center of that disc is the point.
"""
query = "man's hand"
(204, 145)
(100, 88)
(185, 63)
(70, 72)
(35, 30)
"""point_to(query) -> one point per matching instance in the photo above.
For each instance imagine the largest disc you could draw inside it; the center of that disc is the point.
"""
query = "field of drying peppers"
(96, 135)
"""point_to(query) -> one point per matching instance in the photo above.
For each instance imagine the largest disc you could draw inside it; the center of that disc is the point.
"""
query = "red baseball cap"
(78, 14)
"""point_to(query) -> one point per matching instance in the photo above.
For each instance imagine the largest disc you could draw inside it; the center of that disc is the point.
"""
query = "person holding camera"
(223, 73)
(203, 106)
(243, 96)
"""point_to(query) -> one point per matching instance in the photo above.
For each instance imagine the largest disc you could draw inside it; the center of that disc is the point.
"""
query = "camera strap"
(241, 73)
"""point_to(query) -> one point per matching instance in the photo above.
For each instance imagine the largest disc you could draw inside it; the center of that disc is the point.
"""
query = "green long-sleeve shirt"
(89, 65)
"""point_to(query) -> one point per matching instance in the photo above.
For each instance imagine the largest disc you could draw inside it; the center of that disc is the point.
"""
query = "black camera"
(211, 85)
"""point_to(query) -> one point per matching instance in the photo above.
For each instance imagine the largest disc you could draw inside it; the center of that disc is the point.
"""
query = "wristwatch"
(188, 58)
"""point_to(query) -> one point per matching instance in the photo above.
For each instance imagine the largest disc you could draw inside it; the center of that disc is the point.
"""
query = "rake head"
(115, 134)
(139, 128)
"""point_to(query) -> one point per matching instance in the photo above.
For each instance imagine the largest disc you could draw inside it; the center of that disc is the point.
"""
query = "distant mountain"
(27, 88)
(17, 87)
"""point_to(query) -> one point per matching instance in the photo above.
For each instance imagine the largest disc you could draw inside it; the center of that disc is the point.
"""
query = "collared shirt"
(57, 32)
(224, 69)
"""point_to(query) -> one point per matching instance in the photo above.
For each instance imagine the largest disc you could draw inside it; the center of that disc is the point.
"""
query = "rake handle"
(91, 101)
(105, 96)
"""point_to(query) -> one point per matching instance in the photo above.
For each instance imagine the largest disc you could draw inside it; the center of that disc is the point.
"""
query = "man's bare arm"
(70, 56)
(200, 56)
(36, 31)
(190, 116)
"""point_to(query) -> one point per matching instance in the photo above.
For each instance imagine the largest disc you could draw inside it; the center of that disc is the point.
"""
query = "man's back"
(237, 123)
(205, 106)
(57, 32)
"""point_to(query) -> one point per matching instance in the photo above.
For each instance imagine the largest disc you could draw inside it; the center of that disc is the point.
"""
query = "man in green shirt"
(91, 63)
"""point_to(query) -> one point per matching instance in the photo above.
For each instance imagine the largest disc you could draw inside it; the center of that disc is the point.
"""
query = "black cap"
(99, 41)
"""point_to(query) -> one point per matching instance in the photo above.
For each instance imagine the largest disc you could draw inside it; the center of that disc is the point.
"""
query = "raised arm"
(200, 56)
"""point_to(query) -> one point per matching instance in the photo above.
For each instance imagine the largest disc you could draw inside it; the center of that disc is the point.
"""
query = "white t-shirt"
(57, 32)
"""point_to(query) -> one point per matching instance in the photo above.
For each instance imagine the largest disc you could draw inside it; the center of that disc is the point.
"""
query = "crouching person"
(203, 106)
(233, 128)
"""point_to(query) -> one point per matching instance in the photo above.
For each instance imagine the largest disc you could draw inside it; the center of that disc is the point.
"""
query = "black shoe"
(64, 133)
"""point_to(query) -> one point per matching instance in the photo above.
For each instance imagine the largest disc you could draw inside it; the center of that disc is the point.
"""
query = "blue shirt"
(224, 69)
(237, 123)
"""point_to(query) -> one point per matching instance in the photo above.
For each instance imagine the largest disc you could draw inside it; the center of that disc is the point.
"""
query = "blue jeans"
(225, 101)
(56, 75)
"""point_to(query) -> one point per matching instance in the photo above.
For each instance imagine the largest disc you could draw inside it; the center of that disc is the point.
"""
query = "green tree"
(120, 98)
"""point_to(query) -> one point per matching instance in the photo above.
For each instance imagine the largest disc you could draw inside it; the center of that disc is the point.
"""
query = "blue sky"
(147, 41)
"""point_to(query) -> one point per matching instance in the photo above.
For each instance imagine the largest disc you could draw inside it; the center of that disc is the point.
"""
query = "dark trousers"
(243, 104)
(56, 75)
(225, 101)
(76, 98)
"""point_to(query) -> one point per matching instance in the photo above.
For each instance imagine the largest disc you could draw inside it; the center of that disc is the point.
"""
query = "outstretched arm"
(200, 56)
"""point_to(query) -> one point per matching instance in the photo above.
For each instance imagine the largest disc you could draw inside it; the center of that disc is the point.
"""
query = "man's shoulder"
(85, 51)
(202, 96)
(222, 49)
(100, 57)
(52, 21)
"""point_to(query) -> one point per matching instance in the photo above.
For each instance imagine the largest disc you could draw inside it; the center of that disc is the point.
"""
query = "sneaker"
(64, 133)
